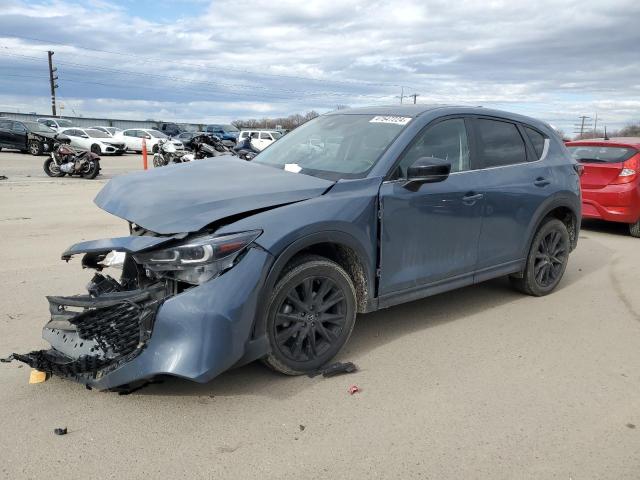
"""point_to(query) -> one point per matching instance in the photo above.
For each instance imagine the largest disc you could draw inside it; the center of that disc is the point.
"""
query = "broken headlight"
(197, 260)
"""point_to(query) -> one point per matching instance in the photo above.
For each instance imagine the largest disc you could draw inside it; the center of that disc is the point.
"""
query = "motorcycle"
(64, 160)
(246, 150)
(168, 153)
(205, 146)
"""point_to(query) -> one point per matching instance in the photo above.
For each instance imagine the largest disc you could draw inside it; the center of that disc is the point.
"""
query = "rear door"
(515, 182)
(6, 134)
(19, 135)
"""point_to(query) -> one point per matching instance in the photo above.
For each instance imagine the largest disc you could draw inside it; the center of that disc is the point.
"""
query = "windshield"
(156, 134)
(600, 154)
(64, 123)
(96, 133)
(38, 127)
(334, 146)
(276, 135)
(229, 128)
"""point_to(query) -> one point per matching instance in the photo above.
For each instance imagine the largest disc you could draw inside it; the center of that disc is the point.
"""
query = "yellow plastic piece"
(37, 376)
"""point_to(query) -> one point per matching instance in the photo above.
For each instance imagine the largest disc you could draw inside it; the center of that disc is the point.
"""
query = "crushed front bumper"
(91, 336)
(119, 339)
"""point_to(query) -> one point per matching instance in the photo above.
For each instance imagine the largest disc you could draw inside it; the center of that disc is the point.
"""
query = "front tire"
(547, 260)
(311, 313)
(634, 229)
(51, 168)
(35, 148)
(96, 149)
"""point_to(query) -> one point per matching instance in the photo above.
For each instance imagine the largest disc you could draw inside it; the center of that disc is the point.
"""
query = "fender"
(559, 199)
(327, 236)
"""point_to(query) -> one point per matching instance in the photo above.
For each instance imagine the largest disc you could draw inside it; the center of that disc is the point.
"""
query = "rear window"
(599, 154)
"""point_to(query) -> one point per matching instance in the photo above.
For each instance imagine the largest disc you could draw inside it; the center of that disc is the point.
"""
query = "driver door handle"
(471, 198)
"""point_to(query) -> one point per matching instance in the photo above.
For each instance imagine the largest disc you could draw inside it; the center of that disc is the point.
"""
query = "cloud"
(227, 59)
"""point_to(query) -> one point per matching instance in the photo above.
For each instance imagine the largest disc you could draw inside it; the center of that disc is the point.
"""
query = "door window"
(19, 128)
(5, 124)
(499, 143)
(254, 135)
(446, 140)
(265, 136)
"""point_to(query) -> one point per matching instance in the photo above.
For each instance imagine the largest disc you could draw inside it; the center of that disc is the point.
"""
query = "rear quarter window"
(537, 140)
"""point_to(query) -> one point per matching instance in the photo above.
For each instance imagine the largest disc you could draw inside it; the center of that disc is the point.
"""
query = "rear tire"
(94, 169)
(547, 260)
(311, 313)
(634, 229)
(35, 148)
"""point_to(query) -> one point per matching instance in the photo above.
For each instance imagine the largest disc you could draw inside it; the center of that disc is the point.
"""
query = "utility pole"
(52, 82)
(595, 126)
(401, 95)
(583, 118)
(415, 96)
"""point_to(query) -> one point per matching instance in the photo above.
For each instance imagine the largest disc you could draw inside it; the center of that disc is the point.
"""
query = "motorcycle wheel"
(158, 161)
(92, 171)
(52, 169)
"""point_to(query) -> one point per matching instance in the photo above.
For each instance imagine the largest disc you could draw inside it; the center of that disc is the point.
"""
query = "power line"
(186, 80)
(211, 67)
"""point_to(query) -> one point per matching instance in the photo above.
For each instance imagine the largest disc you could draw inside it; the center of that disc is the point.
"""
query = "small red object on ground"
(354, 389)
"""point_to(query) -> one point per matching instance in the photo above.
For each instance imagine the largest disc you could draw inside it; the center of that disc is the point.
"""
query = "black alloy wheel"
(311, 315)
(547, 260)
(550, 258)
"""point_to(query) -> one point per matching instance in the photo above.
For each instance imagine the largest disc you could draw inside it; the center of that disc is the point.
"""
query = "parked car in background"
(32, 137)
(110, 130)
(225, 132)
(357, 210)
(132, 139)
(175, 129)
(611, 179)
(260, 139)
(95, 141)
(56, 123)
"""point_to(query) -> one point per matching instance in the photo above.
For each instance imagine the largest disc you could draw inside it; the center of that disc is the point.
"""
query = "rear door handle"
(471, 198)
(541, 182)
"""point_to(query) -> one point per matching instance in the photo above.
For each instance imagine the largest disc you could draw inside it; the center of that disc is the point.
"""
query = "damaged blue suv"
(229, 261)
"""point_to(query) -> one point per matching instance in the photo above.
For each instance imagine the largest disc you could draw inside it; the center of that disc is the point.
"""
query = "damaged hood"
(188, 197)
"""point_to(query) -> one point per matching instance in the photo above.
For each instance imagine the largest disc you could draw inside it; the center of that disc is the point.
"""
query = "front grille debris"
(115, 324)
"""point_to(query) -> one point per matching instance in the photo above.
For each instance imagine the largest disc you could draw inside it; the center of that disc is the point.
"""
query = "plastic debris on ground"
(334, 369)
(354, 389)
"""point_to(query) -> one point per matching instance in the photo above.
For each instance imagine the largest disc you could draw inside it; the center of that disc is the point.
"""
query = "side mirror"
(148, 137)
(426, 170)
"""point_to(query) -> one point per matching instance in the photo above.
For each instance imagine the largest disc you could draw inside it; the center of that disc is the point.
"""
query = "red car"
(611, 179)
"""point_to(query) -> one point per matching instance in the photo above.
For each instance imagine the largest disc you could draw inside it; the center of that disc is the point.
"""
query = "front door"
(431, 235)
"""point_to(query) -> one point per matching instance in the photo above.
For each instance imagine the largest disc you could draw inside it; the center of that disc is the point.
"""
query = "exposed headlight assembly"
(199, 259)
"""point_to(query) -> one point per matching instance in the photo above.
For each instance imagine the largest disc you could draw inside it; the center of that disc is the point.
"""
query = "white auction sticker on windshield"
(292, 167)
(394, 120)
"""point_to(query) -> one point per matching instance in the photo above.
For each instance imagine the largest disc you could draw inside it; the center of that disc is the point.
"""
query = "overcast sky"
(221, 60)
